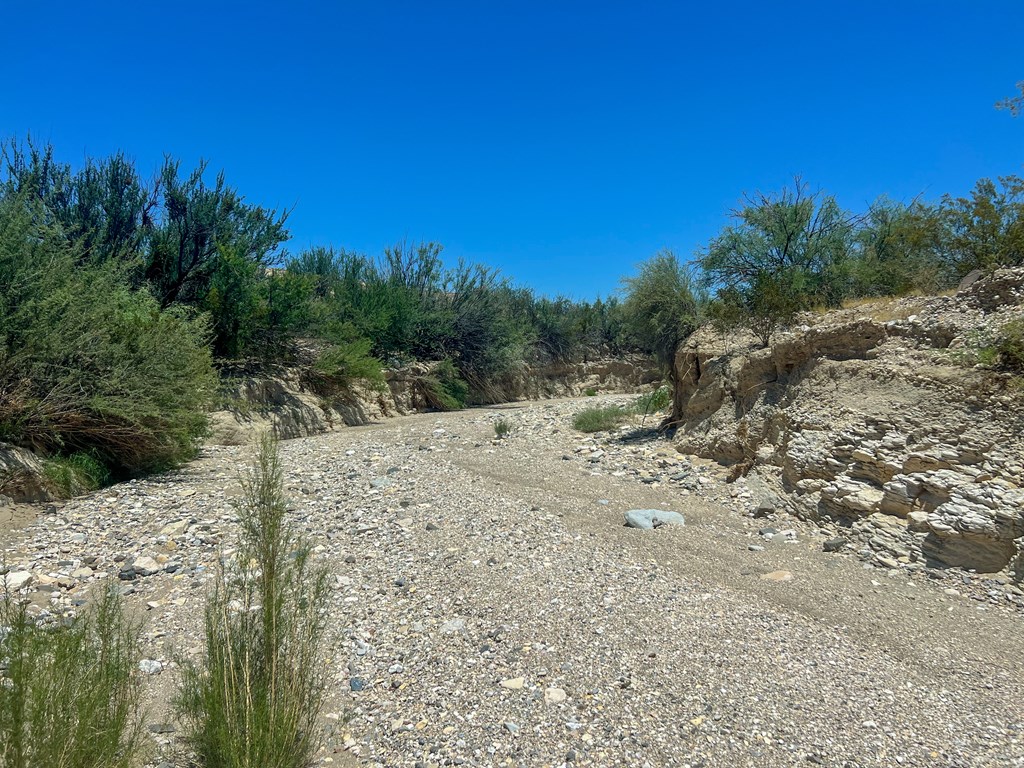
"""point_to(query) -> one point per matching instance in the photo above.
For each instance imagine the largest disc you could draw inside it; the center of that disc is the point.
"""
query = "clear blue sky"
(560, 141)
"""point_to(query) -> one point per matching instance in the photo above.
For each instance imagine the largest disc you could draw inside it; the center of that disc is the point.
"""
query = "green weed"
(600, 419)
(254, 701)
(69, 692)
(76, 474)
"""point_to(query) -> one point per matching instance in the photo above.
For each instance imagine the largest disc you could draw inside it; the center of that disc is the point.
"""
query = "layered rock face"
(875, 419)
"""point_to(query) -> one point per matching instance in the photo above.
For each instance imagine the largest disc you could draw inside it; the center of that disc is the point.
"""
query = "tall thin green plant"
(255, 698)
(70, 695)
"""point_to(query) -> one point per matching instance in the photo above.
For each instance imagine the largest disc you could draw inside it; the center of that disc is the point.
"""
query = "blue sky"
(563, 142)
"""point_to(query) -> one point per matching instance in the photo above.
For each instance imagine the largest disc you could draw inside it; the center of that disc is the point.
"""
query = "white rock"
(15, 580)
(554, 695)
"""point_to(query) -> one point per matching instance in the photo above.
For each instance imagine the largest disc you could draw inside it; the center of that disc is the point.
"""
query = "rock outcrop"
(875, 419)
(21, 476)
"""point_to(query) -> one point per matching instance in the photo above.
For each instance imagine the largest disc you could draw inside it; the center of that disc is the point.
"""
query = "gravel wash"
(490, 608)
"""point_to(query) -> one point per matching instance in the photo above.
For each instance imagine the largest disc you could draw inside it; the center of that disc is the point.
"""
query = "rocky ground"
(490, 608)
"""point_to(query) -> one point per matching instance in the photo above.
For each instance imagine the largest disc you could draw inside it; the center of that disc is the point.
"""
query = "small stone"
(514, 683)
(765, 509)
(356, 684)
(173, 529)
(511, 727)
(778, 576)
(162, 728)
(150, 667)
(554, 695)
(146, 566)
(16, 580)
(834, 545)
(452, 626)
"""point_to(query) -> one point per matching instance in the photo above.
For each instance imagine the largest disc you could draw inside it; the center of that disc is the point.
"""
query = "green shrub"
(590, 392)
(76, 474)
(502, 428)
(254, 701)
(1010, 346)
(348, 361)
(69, 692)
(600, 419)
(86, 363)
(255, 312)
(443, 388)
(652, 402)
(662, 307)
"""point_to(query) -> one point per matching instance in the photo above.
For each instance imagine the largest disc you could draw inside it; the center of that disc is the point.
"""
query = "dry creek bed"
(490, 608)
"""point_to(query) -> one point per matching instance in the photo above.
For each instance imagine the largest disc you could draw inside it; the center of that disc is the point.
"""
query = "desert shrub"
(1010, 346)
(75, 474)
(443, 388)
(652, 402)
(985, 230)
(349, 360)
(88, 364)
(800, 238)
(255, 698)
(784, 252)
(255, 312)
(502, 428)
(600, 419)
(590, 392)
(899, 251)
(662, 307)
(69, 692)
(560, 326)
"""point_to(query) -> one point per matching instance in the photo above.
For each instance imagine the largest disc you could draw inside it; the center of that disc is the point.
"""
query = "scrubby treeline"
(796, 250)
(120, 295)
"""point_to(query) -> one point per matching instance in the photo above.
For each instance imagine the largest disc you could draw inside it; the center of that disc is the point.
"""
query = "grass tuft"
(600, 419)
(1010, 346)
(502, 428)
(76, 474)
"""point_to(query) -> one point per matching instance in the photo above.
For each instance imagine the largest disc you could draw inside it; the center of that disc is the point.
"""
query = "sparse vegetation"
(797, 250)
(1010, 346)
(590, 392)
(76, 474)
(600, 419)
(69, 691)
(652, 402)
(255, 698)
(502, 428)
(662, 307)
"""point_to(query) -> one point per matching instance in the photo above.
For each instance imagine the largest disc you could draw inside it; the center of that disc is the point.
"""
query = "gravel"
(490, 607)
